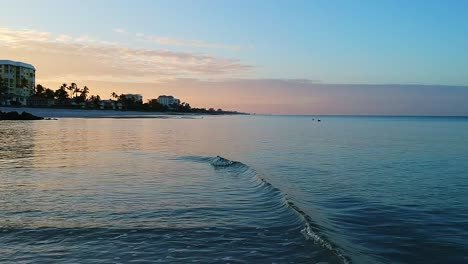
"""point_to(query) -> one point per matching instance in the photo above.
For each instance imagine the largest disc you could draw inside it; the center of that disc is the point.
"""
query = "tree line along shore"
(73, 97)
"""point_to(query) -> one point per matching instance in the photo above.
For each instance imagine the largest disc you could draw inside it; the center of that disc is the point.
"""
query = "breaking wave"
(310, 230)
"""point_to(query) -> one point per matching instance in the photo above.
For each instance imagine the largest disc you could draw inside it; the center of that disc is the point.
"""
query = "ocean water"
(143, 190)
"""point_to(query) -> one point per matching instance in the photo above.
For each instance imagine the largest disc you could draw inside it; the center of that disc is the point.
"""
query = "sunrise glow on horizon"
(267, 57)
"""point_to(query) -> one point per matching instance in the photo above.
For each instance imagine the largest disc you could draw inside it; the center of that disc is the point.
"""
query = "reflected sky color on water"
(347, 189)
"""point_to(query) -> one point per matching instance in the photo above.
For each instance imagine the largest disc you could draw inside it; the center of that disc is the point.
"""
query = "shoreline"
(87, 113)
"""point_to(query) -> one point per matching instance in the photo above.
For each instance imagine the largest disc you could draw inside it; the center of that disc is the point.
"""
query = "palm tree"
(84, 93)
(114, 95)
(70, 90)
(40, 91)
(73, 88)
(64, 86)
(49, 93)
(95, 100)
(76, 90)
(61, 94)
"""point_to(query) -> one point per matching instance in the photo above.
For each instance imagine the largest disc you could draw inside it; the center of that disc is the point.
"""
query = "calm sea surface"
(344, 190)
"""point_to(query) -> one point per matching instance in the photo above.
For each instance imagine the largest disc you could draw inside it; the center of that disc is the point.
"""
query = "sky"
(271, 57)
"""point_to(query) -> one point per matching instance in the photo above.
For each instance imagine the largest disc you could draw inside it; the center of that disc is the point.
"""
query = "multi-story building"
(20, 79)
(134, 97)
(168, 100)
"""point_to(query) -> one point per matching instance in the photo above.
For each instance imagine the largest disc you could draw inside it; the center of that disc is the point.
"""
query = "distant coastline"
(72, 97)
(48, 112)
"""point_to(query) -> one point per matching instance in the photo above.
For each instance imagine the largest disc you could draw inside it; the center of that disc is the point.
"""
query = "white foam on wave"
(307, 231)
(221, 162)
(310, 234)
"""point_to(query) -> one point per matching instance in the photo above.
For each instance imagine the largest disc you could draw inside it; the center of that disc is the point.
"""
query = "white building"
(20, 78)
(134, 97)
(168, 100)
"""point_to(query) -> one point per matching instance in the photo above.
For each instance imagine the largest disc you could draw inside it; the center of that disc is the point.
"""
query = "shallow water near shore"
(344, 190)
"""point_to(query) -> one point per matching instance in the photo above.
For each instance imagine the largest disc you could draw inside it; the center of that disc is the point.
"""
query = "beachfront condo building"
(168, 100)
(134, 97)
(19, 79)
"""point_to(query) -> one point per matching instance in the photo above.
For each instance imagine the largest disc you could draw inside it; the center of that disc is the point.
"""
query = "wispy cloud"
(64, 38)
(170, 41)
(84, 38)
(120, 30)
(184, 42)
(8, 36)
(84, 57)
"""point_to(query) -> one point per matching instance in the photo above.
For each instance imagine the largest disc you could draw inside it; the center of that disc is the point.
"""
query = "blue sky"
(335, 42)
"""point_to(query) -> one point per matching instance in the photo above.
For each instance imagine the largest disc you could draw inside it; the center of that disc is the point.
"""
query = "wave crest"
(219, 161)
(307, 231)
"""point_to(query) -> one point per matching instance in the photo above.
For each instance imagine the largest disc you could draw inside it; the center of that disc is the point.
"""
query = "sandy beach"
(81, 113)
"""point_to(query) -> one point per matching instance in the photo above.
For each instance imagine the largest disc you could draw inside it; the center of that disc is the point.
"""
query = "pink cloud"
(185, 43)
(84, 57)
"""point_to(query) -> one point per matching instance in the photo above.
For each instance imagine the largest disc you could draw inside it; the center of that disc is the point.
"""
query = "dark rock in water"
(16, 116)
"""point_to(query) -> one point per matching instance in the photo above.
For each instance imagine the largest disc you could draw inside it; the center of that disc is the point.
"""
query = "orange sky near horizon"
(208, 81)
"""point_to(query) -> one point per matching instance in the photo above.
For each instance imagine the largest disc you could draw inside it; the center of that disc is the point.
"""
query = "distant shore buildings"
(20, 80)
(134, 97)
(18, 88)
(124, 99)
(168, 100)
